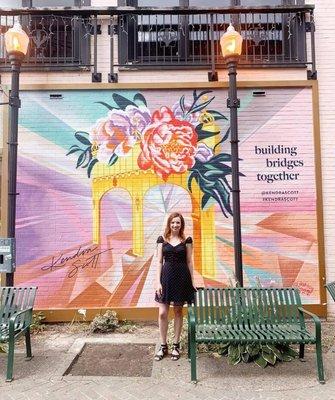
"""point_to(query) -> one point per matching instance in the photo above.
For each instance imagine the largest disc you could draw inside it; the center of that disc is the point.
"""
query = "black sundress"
(176, 278)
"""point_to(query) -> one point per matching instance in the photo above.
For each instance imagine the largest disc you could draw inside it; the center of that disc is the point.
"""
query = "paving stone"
(42, 378)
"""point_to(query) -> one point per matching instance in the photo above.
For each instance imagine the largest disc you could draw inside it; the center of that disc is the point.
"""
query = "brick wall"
(325, 45)
(325, 40)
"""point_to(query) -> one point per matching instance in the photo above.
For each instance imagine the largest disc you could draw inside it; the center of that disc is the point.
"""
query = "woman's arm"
(159, 257)
(189, 258)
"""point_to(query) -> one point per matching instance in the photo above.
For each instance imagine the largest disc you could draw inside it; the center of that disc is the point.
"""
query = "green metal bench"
(16, 312)
(249, 315)
(331, 289)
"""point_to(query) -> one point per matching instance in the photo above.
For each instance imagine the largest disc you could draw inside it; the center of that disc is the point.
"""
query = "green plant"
(260, 354)
(104, 323)
(126, 326)
(37, 324)
(3, 347)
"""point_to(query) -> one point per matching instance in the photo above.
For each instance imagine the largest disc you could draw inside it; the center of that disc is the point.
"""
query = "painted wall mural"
(100, 170)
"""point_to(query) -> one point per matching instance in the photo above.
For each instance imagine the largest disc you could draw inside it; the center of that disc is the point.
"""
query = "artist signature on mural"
(304, 288)
(81, 259)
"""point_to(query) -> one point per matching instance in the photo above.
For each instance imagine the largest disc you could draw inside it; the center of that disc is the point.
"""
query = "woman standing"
(175, 285)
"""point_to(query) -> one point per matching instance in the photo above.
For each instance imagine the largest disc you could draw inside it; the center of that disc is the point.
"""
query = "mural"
(100, 171)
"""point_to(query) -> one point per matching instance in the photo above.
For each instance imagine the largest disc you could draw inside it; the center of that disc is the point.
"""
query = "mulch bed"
(113, 360)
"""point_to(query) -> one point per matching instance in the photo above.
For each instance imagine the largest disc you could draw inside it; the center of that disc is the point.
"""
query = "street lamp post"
(231, 47)
(16, 41)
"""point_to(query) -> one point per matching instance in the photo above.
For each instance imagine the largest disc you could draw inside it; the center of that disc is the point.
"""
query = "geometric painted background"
(55, 249)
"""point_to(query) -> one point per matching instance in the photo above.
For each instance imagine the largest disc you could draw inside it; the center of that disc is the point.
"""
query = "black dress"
(176, 278)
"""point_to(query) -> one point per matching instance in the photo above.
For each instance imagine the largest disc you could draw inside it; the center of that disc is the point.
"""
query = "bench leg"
(301, 351)
(193, 351)
(319, 362)
(188, 345)
(10, 360)
(28, 345)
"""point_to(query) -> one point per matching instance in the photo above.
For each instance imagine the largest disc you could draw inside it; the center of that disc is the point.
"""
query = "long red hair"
(167, 232)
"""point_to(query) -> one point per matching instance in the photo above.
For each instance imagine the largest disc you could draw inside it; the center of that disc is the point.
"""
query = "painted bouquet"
(170, 139)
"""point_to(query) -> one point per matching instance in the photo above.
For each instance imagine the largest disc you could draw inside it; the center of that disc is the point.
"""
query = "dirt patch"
(113, 360)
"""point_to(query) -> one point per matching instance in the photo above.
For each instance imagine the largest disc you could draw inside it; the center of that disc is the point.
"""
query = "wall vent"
(55, 96)
(259, 93)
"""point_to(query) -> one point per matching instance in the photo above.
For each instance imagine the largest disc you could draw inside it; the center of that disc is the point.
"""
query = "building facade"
(124, 119)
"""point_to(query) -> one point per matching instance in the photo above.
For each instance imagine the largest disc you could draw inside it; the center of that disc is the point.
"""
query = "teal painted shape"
(264, 276)
(80, 104)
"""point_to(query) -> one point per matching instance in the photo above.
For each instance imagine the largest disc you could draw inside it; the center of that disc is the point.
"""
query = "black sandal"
(162, 352)
(176, 348)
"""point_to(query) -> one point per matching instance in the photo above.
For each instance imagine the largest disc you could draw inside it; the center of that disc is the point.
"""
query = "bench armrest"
(26, 322)
(316, 320)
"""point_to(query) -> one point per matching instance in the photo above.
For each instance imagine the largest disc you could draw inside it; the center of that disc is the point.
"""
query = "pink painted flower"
(168, 145)
(118, 133)
(204, 153)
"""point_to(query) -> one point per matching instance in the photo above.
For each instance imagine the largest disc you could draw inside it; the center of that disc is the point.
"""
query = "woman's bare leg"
(178, 322)
(163, 321)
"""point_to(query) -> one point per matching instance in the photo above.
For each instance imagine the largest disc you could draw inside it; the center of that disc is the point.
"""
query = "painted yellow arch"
(125, 174)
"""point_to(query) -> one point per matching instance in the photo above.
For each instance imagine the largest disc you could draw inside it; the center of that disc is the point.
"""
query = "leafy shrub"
(105, 323)
(260, 354)
(37, 324)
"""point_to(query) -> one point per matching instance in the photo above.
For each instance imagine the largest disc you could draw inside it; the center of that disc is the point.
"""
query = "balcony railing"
(152, 38)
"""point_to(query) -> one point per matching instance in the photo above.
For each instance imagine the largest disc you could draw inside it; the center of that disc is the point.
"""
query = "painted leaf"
(204, 134)
(88, 157)
(217, 115)
(73, 151)
(81, 159)
(90, 166)
(223, 139)
(204, 200)
(82, 139)
(122, 101)
(113, 159)
(196, 96)
(182, 104)
(201, 106)
(106, 105)
(139, 98)
(222, 157)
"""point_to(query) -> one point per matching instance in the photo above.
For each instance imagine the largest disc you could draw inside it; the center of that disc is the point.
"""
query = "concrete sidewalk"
(42, 377)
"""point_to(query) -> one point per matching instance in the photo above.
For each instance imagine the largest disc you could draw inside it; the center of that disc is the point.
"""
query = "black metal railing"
(56, 42)
(163, 38)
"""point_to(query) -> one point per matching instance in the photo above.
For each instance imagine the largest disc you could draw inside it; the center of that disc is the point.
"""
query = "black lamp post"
(17, 42)
(231, 46)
